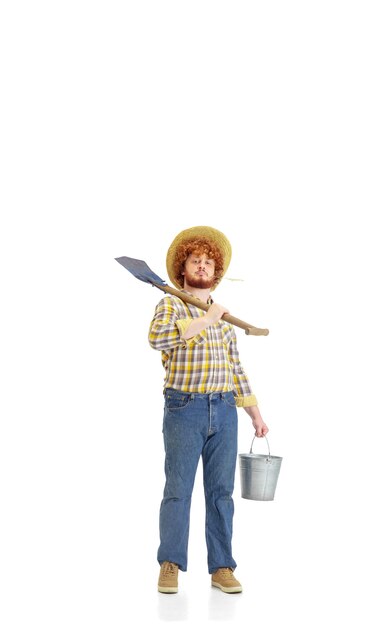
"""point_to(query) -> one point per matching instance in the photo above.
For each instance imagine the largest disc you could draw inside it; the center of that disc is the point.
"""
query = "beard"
(200, 282)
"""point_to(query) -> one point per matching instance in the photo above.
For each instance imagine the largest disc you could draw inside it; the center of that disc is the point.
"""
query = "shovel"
(140, 270)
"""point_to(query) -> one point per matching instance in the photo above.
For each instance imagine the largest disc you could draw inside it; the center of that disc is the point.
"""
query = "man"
(204, 383)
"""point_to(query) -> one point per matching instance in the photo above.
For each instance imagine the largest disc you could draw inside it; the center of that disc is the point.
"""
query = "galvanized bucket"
(259, 474)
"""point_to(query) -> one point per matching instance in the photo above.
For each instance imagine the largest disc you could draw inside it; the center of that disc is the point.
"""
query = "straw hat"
(198, 232)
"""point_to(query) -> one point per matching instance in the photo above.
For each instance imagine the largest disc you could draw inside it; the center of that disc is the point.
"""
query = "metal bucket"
(259, 474)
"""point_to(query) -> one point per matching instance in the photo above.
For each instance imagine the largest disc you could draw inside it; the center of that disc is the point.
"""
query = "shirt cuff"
(243, 401)
(183, 325)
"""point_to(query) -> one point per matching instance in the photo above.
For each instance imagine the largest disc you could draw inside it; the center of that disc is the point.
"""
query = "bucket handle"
(268, 447)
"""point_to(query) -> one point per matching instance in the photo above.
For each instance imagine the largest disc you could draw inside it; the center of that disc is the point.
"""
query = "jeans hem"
(183, 568)
(212, 570)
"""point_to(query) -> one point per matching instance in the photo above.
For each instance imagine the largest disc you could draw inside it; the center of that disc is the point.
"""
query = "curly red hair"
(198, 246)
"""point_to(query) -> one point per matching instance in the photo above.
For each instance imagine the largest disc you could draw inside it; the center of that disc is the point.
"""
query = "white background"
(123, 123)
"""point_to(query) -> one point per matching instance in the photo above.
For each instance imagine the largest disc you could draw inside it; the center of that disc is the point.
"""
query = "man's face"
(199, 271)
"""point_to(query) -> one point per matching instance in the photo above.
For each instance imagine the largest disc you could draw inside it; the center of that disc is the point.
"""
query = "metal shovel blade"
(140, 270)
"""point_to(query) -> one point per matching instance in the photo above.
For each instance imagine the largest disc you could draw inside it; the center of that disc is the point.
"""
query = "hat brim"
(196, 232)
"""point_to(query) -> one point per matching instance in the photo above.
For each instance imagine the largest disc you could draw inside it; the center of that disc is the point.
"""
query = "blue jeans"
(198, 425)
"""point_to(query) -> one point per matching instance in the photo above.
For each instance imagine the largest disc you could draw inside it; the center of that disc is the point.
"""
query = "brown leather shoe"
(168, 579)
(224, 579)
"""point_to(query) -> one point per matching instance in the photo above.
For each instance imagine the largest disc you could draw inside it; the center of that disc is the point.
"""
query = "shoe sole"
(167, 589)
(227, 589)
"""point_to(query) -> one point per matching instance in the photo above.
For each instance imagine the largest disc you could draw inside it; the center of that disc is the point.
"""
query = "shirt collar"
(209, 301)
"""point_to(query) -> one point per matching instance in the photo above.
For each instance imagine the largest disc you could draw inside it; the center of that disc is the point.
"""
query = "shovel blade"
(140, 270)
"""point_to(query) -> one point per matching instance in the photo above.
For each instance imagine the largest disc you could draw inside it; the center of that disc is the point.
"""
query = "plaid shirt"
(208, 362)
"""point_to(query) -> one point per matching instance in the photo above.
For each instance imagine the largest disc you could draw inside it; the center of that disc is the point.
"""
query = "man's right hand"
(198, 324)
(215, 312)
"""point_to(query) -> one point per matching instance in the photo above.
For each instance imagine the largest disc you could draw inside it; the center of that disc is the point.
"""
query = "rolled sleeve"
(243, 392)
(243, 401)
(183, 324)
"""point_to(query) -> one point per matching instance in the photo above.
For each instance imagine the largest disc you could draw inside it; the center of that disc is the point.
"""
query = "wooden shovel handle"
(248, 328)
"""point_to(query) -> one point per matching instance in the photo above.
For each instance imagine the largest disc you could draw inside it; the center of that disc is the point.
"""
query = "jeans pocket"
(229, 399)
(176, 401)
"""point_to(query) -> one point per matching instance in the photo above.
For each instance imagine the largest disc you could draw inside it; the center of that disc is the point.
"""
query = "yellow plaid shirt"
(208, 362)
